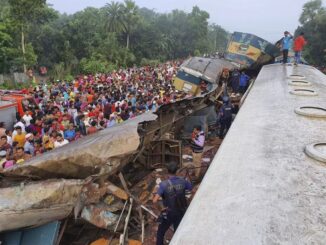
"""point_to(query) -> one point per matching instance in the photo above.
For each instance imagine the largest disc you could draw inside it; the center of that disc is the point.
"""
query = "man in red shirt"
(299, 43)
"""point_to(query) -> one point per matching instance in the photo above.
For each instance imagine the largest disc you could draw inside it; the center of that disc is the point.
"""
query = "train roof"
(206, 68)
(261, 187)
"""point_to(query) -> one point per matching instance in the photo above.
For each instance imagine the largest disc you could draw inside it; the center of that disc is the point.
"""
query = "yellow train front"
(189, 82)
(199, 75)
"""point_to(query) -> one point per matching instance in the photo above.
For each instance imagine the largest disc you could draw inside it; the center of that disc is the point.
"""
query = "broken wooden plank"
(124, 207)
(116, 191)
(125, 186)
(149, 211)
(123, 235)
(142, 220)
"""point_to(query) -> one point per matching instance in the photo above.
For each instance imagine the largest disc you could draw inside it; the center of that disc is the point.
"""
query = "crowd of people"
(64, 111)
(60, 112)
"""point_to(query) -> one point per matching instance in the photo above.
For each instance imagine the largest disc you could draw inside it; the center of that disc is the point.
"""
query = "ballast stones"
(317, 151)
(311, 111)
(304, 92)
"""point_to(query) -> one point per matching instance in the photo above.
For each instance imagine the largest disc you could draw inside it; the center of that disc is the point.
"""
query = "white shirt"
(18, 124)
(9, 140)
(59, 144)
(27, 119)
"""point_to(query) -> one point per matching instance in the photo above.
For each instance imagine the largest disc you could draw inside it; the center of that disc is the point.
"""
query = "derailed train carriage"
(244, 51)
(250, 51)
(196, 70)
(103, 154)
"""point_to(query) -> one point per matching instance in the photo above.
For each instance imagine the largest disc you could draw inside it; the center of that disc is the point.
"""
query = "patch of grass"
(10, 85)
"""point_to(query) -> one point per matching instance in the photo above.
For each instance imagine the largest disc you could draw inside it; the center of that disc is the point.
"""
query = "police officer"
(225, 116)
(243, 83)
(173, 193)
(235, 78)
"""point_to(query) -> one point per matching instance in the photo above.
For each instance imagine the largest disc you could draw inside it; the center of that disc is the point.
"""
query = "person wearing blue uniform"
(225, 116)
(173, 193)
(235, 78)
(243, 83)
(285, 43)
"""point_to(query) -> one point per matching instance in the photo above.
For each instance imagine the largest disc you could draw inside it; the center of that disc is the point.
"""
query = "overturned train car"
(103, 154)
(100, 155)
(250, 51)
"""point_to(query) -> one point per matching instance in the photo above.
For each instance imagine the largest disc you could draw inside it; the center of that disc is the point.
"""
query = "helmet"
(225, 99)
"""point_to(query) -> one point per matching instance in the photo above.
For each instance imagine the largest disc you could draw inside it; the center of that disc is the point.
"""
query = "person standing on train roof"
(285, 43)
(299, 43)
(173, 192)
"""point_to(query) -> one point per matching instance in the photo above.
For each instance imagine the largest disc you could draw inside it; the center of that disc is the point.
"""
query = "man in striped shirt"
(197, 145)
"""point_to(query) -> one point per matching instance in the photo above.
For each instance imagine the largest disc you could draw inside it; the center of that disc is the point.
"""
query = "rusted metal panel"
(208, 69)
(100, 216)
(103, 152)
(37, 203)
(116, 191)
(98, 155)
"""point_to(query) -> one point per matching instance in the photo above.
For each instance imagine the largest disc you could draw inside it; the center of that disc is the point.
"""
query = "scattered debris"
(111, 199)
(37, 203)
(101, 241)
(186, 157)
(100, 216)
(116, 191)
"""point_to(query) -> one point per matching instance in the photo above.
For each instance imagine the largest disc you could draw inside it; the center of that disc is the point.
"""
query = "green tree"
(198, 22)
(313, 24)
(310, 11)
(25, 12)
(117, 35)
(6, 48)
(4, 10)
(122, 18)
(218, 38)
(115, 17)
(130, 18)
(47, 39)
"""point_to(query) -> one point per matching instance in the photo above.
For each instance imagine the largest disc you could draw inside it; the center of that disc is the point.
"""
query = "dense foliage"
(313, 24)
(32, 34)
(100, 39)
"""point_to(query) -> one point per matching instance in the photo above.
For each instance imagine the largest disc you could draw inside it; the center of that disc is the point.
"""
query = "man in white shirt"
(20, 124)
(27, 118)
(29, 144)
(9, 136)
(60, 141)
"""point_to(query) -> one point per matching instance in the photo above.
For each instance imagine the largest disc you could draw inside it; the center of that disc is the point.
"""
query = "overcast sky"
(265, 18)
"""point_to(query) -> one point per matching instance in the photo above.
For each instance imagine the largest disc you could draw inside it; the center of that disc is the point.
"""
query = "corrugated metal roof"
(207, 68)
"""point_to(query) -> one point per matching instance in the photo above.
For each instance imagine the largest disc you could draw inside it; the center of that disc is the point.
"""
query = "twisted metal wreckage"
(60, 176)
(76, 177)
